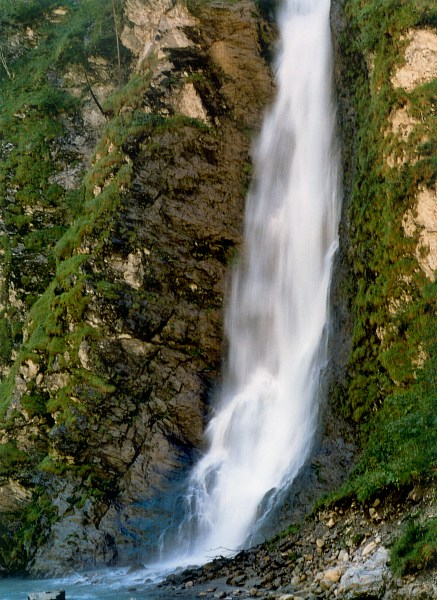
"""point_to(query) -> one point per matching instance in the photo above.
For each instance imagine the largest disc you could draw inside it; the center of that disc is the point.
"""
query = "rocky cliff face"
(106, 399)
(122, 178)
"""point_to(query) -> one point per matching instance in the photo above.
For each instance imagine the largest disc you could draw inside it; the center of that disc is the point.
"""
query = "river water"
(276, 323)
(115, 584)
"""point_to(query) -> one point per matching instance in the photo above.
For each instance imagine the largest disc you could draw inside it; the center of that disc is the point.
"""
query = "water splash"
(262, 432)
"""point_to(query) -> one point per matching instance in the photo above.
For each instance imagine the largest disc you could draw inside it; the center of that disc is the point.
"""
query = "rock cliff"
(107, 388)
(125, 139)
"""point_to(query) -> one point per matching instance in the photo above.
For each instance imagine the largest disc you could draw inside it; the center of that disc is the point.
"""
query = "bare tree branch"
(117, 37)
(94, 97)
(9, 73)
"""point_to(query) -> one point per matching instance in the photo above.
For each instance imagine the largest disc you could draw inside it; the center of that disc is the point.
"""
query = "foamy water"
(263, 428)
(262, 431)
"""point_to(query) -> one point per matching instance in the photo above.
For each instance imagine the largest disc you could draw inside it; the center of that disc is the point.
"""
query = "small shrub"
(416, 548)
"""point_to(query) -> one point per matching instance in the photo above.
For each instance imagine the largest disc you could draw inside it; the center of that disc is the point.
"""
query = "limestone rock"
(332, 575)
(420, 60)
(367, 579)
(13, 496)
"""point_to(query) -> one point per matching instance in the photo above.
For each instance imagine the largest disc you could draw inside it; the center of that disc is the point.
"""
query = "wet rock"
(55, 595)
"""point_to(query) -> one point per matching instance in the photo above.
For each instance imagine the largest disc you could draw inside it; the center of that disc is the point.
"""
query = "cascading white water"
(262, 432)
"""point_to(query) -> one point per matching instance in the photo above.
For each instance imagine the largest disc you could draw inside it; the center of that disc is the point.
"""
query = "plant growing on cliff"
(391, 390)
(416, 548)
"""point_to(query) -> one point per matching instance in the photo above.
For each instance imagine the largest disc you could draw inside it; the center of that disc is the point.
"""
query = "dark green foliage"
(11, 459)
(416, 548)
(5, 339)
(24, 12)
(19, 532)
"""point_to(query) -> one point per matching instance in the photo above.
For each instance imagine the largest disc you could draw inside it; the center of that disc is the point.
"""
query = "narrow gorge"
(127, 139)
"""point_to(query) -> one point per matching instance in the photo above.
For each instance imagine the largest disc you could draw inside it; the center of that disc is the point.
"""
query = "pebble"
(332, 575)
(343, 556)
(320, 543)
(368, 549)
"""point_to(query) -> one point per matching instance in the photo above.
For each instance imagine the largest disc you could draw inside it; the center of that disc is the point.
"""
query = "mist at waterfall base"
(276, 324)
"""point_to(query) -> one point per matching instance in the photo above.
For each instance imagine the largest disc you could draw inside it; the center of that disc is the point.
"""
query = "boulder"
(366, 580)
(54, 595)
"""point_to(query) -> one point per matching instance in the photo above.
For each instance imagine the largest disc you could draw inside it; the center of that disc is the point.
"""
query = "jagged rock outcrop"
(108, 411)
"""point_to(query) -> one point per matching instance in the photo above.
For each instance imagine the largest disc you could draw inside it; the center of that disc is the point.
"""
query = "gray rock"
(366, 580)
(54, 595)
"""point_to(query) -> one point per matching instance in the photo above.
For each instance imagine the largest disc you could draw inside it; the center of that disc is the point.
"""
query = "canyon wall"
(125, 141)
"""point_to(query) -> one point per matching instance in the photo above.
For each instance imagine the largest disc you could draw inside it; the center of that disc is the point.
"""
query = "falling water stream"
(276, 324)
(277, 319)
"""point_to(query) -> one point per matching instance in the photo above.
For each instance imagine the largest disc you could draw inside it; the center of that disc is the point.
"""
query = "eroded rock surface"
(128, 401)
(420, 60)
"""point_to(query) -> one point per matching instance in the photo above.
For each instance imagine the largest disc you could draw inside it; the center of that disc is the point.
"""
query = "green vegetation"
(11, 459)
(416, 548)
(67, 232)
(42, 42)
(392, 369)
(30, 528)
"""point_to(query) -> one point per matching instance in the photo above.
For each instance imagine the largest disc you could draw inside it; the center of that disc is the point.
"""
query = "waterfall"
(262, 431)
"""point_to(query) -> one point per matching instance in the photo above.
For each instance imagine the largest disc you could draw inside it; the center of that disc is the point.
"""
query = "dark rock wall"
(121, 352)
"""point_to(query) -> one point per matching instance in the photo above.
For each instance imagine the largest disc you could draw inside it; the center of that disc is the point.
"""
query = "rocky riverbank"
(343, 553)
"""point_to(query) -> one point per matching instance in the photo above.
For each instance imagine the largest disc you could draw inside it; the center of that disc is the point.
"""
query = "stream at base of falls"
(115, 584)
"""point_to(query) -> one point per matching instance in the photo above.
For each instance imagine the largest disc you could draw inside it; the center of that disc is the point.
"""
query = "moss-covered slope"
(386, 76)
(113, 287)
(390, 181)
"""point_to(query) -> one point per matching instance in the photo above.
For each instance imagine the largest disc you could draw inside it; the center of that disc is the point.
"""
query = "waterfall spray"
(264, 424)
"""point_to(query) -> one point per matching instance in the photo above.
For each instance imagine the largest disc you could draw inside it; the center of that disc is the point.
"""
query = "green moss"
(416, 548)
(12, 459)
(6, 342)
(392, 365)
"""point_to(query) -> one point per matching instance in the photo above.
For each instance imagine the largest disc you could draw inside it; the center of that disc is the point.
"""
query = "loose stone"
(55, 595)
(343, 556)
(368, 549)
(332, 575)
